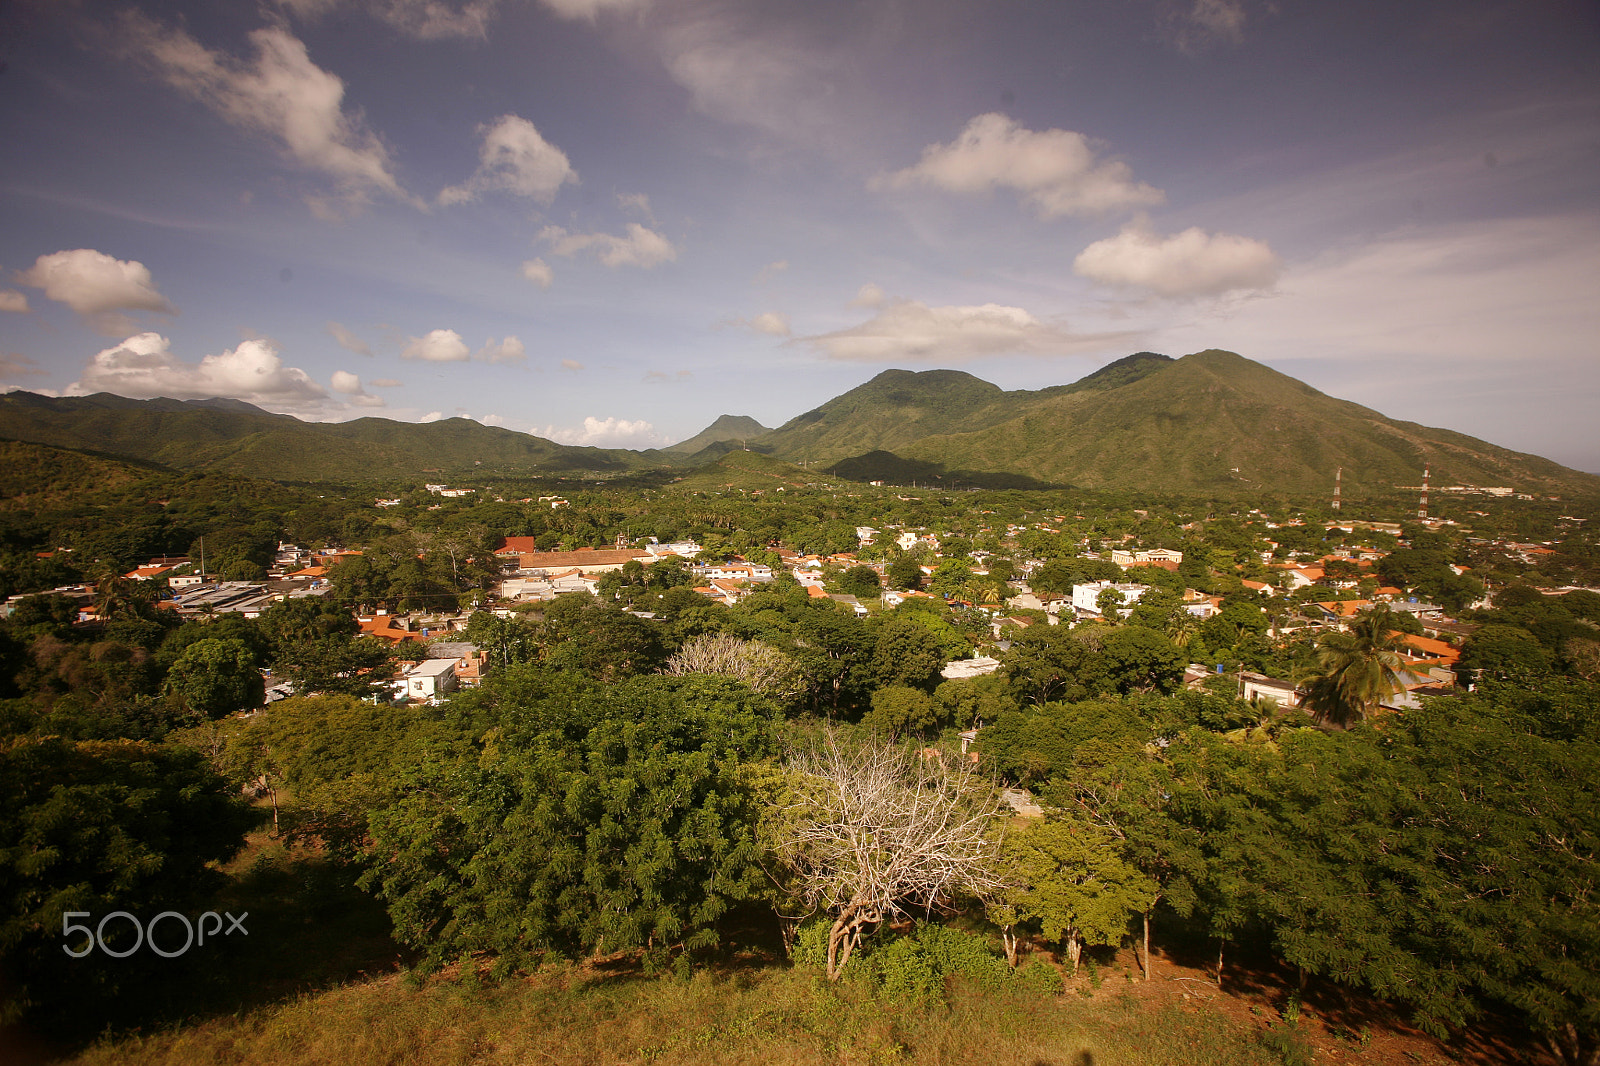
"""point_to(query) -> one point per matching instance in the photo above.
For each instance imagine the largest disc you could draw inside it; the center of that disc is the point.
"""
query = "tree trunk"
(1008, 937)
(1144, 951)
(1221, 944)
(1074, 951)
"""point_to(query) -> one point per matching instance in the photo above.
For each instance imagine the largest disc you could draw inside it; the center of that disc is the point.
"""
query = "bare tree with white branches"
(881, 831)
(761, 666)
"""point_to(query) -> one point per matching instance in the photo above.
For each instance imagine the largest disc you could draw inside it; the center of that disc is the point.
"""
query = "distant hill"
(234, 436)
(739, 429)
(1211, 422)
(739, 470)
(34, 476)
(1215, 421)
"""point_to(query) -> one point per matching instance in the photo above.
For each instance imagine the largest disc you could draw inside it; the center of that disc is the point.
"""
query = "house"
(1086, 598)
(974, 667)
(430, 679)
(1260, 588)
(387, 627)
(1125, 559)
(736, 571)
(588, 560)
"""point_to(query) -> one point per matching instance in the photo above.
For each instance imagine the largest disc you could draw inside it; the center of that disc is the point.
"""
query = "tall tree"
(1356, 670)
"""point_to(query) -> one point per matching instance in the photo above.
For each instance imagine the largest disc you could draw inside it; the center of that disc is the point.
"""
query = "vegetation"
(770, 805)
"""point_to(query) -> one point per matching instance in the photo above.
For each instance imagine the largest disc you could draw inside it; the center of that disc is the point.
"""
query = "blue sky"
(610, 221)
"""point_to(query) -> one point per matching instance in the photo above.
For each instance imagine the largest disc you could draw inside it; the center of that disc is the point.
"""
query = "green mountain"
(1212, 422)
(234, 436)
(736, 429)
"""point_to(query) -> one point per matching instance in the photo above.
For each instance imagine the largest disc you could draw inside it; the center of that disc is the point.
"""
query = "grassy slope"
(254, 442)
(36, 475)
(748, 471)
(755, 1016)
(1188, 425)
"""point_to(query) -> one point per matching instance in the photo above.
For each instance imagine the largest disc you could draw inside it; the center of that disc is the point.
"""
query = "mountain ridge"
(1212, 421)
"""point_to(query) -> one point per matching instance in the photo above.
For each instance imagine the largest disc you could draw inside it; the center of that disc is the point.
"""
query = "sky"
(610, 221)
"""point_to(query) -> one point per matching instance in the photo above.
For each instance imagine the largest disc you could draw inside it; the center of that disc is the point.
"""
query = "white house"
(430, 679)
(1086, 598)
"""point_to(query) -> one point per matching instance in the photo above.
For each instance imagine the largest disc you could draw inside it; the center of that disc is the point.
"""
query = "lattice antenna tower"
(1338, 478)
(1422, 508)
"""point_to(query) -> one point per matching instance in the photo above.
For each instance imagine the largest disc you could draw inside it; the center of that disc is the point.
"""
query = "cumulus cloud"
(1190, 263)
(509, 350)
(869, 295)
(1056, 172)
(571, 364)
(144, 366)
(640, 247)
(348, 385)
(775, 323)
(347, 340)
(15, 365)
(606, 433)
(538, 272)
(770, 271)
(908, 330)
(492, 420)
(431, 416)
(97, 286)
(437, 346)
(278, 92)
(514, 158)
(12, 300)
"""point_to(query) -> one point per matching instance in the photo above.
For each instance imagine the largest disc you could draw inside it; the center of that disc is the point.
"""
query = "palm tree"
(1355, 670)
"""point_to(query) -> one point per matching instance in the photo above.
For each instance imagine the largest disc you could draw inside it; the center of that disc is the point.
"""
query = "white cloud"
(437, 346)
(514, 158)
(431, 416)
(770, 271)
(143, 366)
(1190, 263)
(775, 323)
(348, 385)
(1057, 172)
(571, 364)
(538, 272)
(606, 433)
(907, 330)
(493, 420)
(279, 92)
(869, 295)
(590, 9)
(347, 340)
(12, 300)
(509, 350)
(641, 247)
(97, 286)
(1447, 294)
